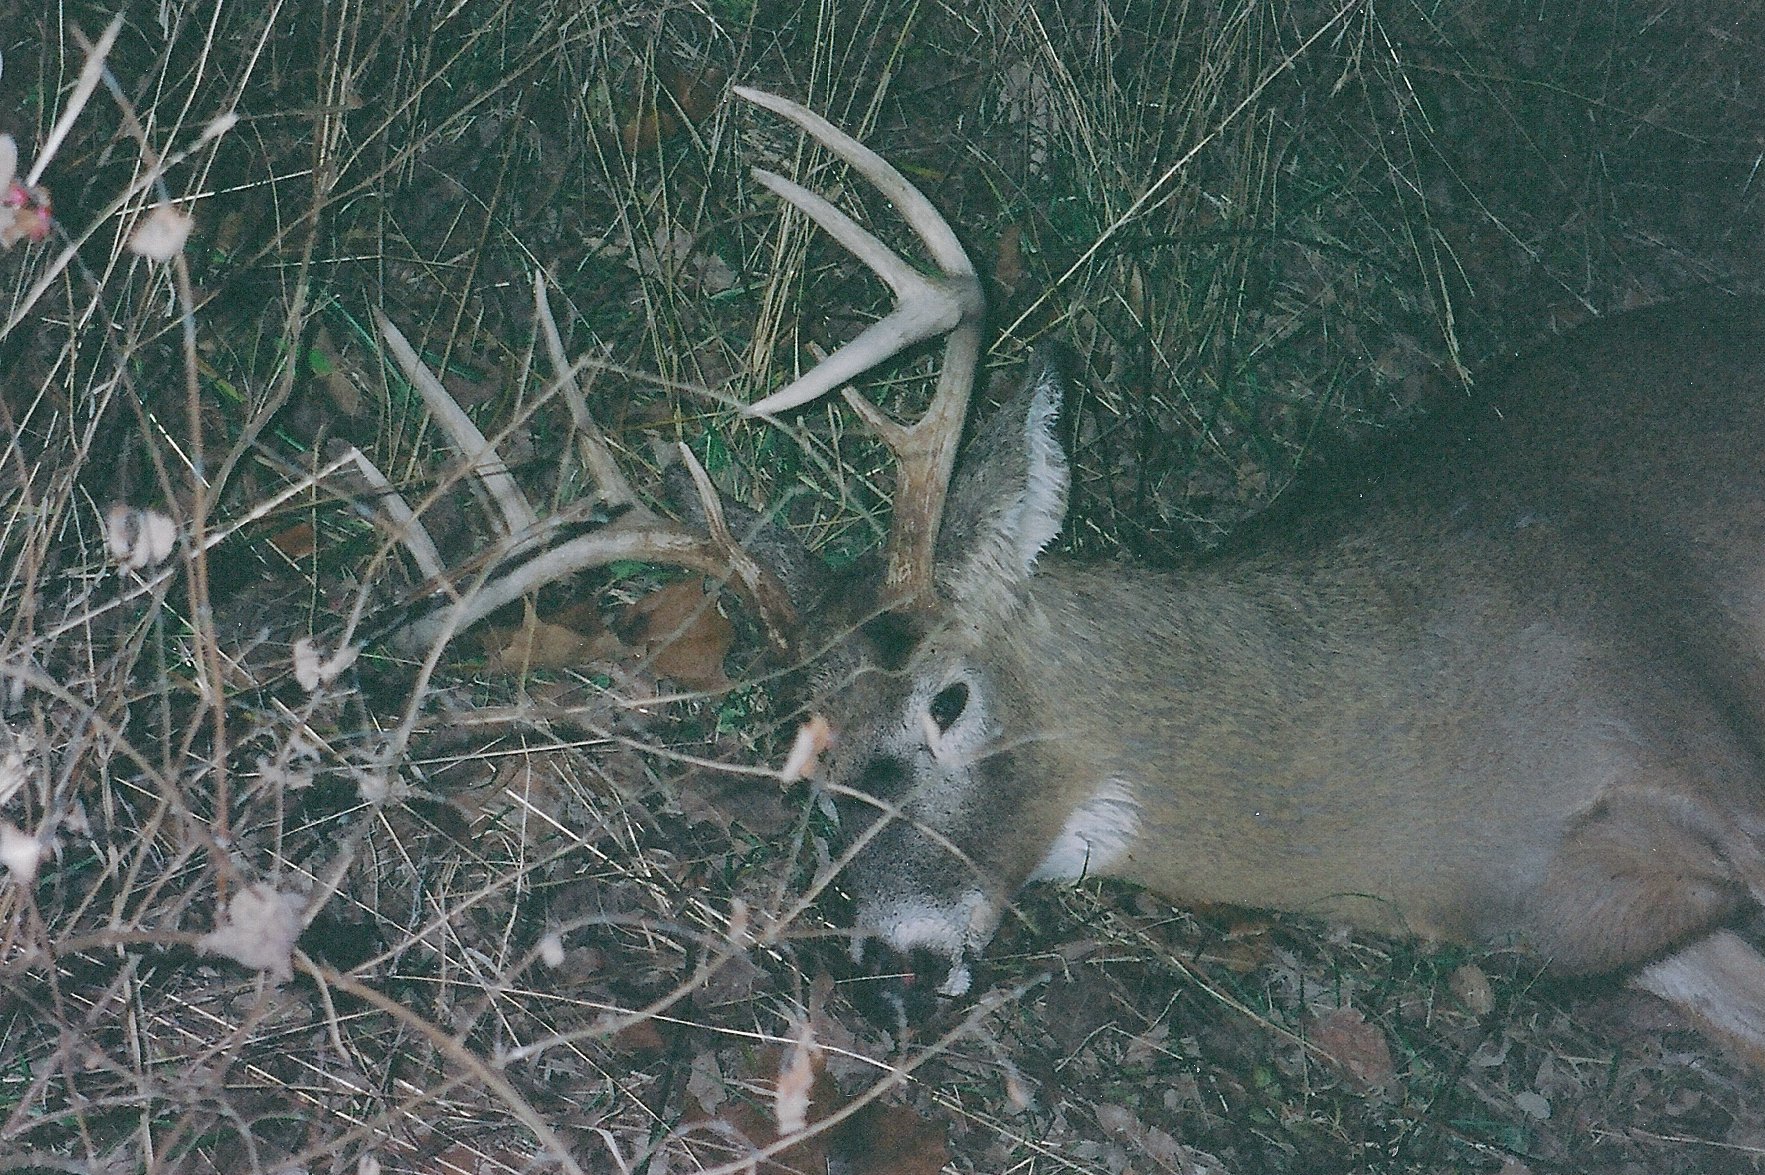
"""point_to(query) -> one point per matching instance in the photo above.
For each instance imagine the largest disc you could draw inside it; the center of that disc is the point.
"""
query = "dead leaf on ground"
(1472, 987)
(1248, 943)
(297, 541)
(641, 1039)
(1162, 1148)
(1355, 1048)
(680, 629)
(1008, 267)
(725, 798)
(877, 1139)
(682, 97)
(465, 1159)
(330, 372)
(891, 1140)
(570, 636)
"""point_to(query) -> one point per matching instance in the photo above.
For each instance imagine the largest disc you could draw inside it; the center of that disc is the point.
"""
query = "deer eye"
(948, 704)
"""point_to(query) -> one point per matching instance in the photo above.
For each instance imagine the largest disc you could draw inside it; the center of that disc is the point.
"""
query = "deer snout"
(925, 903)
(912, 949)
(899, 988)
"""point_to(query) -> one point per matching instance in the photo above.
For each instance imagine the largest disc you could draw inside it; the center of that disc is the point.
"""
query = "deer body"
(1539, 641)
(1508, 689)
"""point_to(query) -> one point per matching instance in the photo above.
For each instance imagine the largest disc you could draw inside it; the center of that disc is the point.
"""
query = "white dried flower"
(20, 852)
(25, 212)
(796, 1078)
(814, 739)
(161, 234)
(312, 669)
(374, 783)
(738, 923)
(259, 929)
(138, 539)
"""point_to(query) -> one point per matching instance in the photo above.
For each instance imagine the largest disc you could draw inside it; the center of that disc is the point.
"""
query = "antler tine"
(519, 517)
(637, 533)
(927, 308)
(952, 303)
(918, 211)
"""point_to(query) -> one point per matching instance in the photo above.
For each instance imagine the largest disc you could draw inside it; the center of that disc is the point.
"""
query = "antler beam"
(950, 304)
(638, 532)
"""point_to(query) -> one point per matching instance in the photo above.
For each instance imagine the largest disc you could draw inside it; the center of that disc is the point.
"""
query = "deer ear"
(1008, 497)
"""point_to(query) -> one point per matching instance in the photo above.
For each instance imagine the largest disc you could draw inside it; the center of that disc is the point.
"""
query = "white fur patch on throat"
(1097, 836)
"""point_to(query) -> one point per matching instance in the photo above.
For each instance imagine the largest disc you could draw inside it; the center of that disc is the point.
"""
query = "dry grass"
(559, 913)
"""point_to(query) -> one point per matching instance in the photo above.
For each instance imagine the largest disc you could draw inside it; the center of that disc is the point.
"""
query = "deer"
(1507, 688)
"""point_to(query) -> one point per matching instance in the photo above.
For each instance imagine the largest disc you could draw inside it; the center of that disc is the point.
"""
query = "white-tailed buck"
(1508, 690)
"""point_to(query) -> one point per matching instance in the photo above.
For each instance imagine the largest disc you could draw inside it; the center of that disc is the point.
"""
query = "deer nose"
(898, 989)
(884, 777)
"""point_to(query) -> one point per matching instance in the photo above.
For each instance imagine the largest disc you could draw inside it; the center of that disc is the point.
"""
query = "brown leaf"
(329, 370)
(570, 636)
(724, 798)
(891, 1140)
(295, 542)
(1161, 1147)
(1472, 987)
(464, 1159)
(1356, 1048)
(682, 97)
(877, 1139)
(641, 1039)
(1247, 944)
(760, 1128)
(680, 629)
(1008, 269)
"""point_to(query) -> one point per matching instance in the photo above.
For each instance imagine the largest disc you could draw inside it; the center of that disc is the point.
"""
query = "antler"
(637, 533)
(950, 304)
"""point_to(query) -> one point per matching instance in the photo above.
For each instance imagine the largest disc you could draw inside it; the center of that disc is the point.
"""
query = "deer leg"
(1653, 874)
(1718, 981)
(1644, 871)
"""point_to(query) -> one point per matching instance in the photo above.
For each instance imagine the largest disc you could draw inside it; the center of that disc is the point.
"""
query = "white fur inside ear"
(1041, 507)
(1096, 837)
